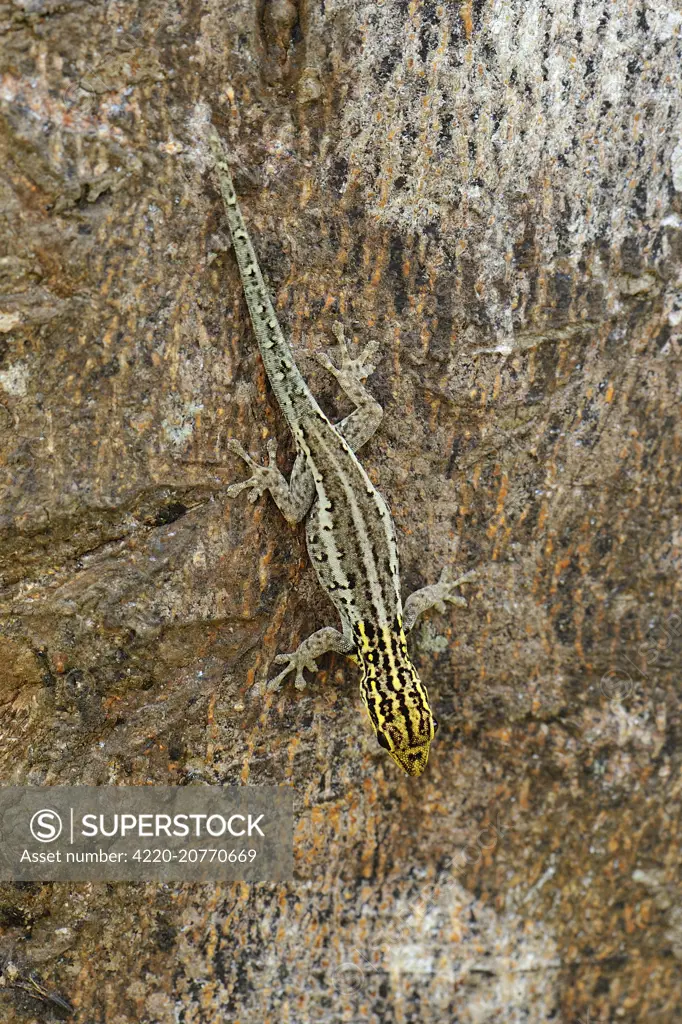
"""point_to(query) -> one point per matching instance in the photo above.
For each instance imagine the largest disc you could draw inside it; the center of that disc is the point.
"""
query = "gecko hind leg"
(293, 499)
(306, 655)
(435, 596)
(360, 425)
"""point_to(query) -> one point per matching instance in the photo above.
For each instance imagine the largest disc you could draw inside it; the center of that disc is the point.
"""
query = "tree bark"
(493, 190)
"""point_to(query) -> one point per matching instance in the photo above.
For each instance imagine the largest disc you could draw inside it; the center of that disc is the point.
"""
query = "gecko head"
(395, 698)
(412, 760)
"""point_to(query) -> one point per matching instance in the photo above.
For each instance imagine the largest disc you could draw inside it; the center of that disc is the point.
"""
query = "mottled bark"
(493, 190)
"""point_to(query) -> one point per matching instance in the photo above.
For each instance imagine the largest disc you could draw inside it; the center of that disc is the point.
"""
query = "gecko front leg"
(293, 499)
(435, 596)
(306, 654)
(362, 423)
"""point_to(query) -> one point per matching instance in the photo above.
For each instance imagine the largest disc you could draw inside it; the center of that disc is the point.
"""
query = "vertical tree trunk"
(493, 190)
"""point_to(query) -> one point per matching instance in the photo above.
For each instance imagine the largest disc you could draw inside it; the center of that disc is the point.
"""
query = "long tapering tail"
(289, 386)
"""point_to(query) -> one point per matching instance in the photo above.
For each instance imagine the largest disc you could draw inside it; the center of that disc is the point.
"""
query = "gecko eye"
(435, 726)
(382, 741)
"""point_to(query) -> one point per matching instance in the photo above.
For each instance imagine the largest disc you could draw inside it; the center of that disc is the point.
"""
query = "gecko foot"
(306, 655)
(435, 596)
(445, 589)
(265, 478)
(349, 371)
(294, 662)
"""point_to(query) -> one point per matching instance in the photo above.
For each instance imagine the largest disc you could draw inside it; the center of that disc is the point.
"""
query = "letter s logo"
(46, 826)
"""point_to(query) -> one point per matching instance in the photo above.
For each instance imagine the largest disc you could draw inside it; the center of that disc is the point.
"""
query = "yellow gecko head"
(396, 699)
(412, 760)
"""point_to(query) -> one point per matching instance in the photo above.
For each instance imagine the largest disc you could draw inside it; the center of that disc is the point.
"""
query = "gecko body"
(349, 530)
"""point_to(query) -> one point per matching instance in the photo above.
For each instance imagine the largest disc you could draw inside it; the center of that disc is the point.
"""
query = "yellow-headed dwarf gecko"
(349, 531)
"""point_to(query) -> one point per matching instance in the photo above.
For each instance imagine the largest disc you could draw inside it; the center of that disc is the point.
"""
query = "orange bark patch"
(467, 20)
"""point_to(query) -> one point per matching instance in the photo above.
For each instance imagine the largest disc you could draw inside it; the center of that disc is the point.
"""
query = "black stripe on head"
(382, 644)
(402, 703)
(367, 697)
(370, 631)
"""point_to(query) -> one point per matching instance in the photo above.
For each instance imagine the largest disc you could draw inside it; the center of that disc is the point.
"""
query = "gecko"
(350, 536)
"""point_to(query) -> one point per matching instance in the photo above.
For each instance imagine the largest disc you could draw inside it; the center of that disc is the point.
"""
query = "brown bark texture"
(493, 190)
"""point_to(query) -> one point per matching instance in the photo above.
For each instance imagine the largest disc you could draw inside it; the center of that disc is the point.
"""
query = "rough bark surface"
(493, 189)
